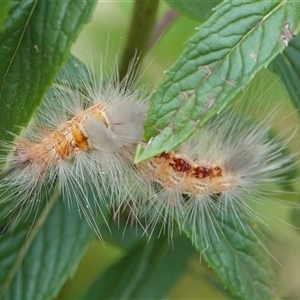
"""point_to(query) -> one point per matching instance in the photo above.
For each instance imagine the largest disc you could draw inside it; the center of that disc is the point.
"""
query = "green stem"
(137, 42)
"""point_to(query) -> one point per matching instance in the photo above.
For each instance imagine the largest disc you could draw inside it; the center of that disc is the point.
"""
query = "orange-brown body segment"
(61, 144)
(176, 171)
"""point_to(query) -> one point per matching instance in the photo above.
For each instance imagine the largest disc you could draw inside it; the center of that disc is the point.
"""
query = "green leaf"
(221, 59)
(287, 67)
(148, 271)
(121, 235)
(294, 216)
(198, 10)
(35, 42)
(55, 249)
(236, 254)
(3, 12)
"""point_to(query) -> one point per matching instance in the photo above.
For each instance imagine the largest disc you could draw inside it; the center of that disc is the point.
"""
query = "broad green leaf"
(198, 10)
(236, 254)
(221, 59)
(9, 250)
(148, 271)
(3, 12)
(287, 66)
(35, 42)
(53, 254)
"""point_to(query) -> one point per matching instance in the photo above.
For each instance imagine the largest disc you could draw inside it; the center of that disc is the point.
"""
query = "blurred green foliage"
(131, 267)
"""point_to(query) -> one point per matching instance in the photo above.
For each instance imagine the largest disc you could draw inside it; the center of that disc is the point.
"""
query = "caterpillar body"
(227, 166)
(82, 138)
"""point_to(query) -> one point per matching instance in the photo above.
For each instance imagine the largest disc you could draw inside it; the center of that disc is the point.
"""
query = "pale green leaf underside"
(221, 59)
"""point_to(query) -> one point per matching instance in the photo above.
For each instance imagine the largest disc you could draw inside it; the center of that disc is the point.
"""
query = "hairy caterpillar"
(82, 138)
(227, 166)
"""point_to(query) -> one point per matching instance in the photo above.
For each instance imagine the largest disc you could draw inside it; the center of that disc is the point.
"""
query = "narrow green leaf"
(287, 67)
(221, 59)
(198, 10)
(148, 271)
(35, 42)
(236, 255)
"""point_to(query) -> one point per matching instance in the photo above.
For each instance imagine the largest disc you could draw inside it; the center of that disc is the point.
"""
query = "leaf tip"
(138, 153)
